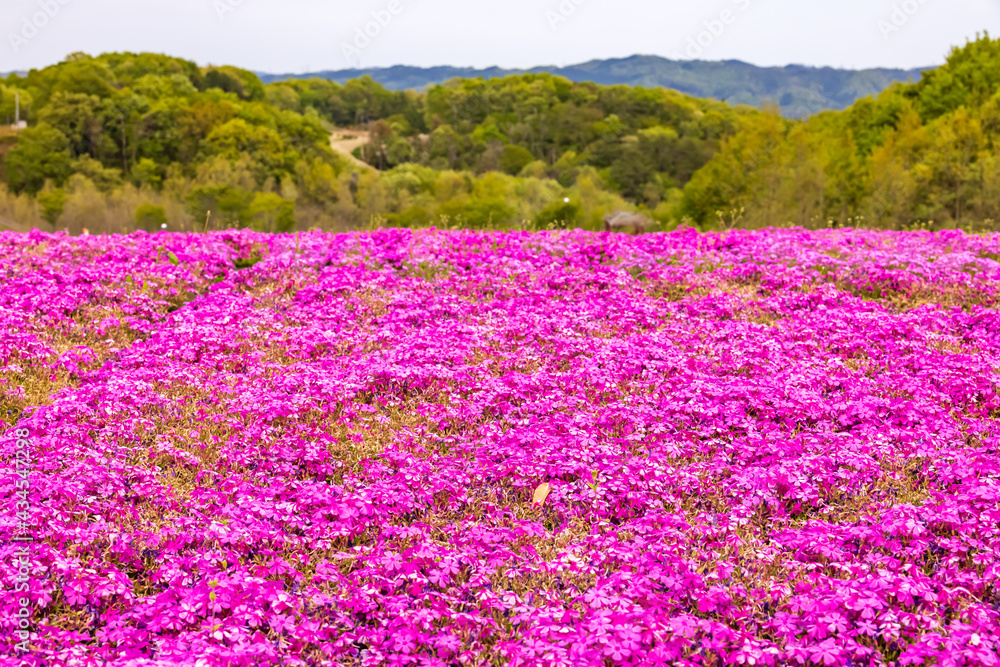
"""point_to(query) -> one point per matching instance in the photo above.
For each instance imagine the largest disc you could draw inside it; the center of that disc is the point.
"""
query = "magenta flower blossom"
(760, 448)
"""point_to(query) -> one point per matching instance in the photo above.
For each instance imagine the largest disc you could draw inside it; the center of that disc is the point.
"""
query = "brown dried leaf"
(541, 493)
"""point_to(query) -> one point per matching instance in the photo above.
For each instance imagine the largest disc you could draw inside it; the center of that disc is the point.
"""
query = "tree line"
(205, 137)
(141, 140)
(925, 154)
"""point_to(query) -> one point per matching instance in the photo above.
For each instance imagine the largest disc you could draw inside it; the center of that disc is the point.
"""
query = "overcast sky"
(303, 35)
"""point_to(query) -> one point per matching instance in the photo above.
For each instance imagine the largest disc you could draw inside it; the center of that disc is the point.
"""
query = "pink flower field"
(437, 448)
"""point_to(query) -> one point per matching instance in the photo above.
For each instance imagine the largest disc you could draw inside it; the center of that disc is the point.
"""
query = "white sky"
(303, 35)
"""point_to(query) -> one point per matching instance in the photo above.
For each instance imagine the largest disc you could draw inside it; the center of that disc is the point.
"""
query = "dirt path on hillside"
(345, 140)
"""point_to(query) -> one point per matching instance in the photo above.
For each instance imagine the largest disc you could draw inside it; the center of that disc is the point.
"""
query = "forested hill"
(800, 90)
(921, 154)
(149, 140)
(148, 129)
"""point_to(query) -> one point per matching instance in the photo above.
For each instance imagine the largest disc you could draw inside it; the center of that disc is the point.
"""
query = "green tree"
(271, 213)
(53, 200)
(969, 78)
(228, 204)
(478, 213)
(42, 153)
(80, 73)
(9, 96)
(147, 172)
(559, 214)
(150, 217)
(237, 137)
(246, 85)
(105, 178)
(79, 117)
(514, 159)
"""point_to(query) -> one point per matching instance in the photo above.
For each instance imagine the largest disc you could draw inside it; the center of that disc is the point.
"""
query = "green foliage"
(147, 172)
(969, 78)
(416, 217)
(925, 153)
(246, 85)
(221, 141)
(515, 158)
(142, 113)
(478, 213)
(270, 213)
(53, 200)
(8, 101)
(558, 215)
(228, 204)
(150, 217)
(247, 262)
(105, 178)
(357, 101)
(205, 136)
(649, 139)
(509, 123)
(139, 133)
(42, 153)
(78, 116)
(238, 137)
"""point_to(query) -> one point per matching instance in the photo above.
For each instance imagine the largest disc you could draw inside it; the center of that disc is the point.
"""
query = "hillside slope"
(925, 155)
(799, 90)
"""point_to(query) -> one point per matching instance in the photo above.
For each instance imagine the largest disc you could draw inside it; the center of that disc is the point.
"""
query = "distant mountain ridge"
(799, 90)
